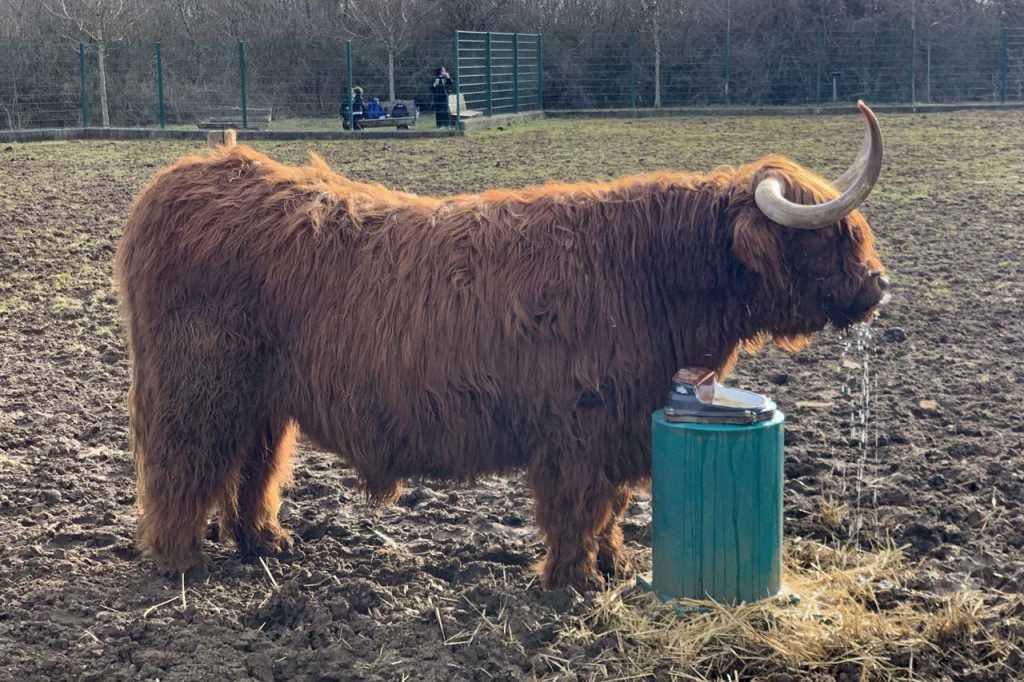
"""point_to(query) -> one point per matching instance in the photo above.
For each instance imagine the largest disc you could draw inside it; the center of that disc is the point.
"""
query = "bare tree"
(20, 19)
(489, 15)
(393, 23)
(931, 14)
(652, 9)
(724, 8)
(98, 22)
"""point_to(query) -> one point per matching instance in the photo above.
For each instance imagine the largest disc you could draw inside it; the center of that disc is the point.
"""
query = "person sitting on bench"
(357, 107)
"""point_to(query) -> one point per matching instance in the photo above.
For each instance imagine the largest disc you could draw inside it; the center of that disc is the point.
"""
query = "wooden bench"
(457, 106)
(401, 122)
(231, 117)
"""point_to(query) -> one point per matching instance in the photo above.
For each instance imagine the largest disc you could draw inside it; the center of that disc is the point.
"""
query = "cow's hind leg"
(195, 405)
(574, 504)
(183, 468)
(172, 510)
(249, 509)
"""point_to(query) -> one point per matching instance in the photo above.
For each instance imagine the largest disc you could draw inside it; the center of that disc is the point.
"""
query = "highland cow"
(449, 338)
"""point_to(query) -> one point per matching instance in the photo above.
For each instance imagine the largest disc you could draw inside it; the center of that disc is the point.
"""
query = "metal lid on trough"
(697, 397)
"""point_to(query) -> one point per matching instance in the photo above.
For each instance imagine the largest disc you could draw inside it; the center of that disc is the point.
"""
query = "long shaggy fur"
(445, 337)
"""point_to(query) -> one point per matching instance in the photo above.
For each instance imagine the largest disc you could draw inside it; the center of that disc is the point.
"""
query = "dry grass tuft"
(832, 514)
(842, 613)
(959, 617)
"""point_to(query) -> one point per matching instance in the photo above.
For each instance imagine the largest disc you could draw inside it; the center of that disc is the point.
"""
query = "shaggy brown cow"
(453, 337)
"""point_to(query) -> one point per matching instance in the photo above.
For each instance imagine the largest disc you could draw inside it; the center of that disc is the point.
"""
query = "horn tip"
(864, 108)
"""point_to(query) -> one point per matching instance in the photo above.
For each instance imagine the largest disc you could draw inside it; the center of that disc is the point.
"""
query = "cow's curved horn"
(843, 182)
(855, 185)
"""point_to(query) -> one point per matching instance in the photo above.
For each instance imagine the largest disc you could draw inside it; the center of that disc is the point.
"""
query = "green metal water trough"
(716, 493)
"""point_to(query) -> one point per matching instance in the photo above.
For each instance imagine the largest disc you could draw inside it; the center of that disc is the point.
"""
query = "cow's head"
(814, 252)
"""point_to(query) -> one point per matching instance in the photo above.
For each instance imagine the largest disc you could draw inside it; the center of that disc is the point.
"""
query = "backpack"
(374, 109)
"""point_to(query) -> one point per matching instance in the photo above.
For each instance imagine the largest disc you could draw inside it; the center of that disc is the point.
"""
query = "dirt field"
(439, 586)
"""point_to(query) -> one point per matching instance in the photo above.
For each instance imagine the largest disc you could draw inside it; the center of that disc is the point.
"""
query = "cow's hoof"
(195, 568)
(174, 563)
(615, 563)
(199, 572)
(266, 541)
(578, 577)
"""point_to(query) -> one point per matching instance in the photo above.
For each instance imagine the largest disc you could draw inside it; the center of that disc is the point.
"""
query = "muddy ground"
(440, 586)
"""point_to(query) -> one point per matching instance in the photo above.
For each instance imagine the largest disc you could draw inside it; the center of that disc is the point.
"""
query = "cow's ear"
(757, 244)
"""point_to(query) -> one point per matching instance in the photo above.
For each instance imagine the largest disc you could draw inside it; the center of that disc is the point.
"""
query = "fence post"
(241, 80)
(540, 71)
(83, 92)
(913, 65)
(725, 74)
(515, 72)
(348, 83)
(632, 70)
(817, 71)
(1005, 67)
(162, 112)
(487, 69)
(458, 99)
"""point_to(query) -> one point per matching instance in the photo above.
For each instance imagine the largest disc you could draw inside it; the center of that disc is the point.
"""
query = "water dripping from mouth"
(858, 397)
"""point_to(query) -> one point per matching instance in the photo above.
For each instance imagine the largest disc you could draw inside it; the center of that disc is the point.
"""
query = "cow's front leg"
(574, 505)
(612, 558)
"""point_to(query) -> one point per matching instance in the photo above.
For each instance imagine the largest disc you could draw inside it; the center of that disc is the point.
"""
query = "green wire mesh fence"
(817, 68)
(1011, 79)
(305, 84)
(39, 85)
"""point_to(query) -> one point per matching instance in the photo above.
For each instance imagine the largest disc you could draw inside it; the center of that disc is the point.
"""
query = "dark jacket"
(441, 88)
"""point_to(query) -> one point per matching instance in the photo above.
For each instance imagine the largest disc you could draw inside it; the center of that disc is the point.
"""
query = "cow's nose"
(883, 281)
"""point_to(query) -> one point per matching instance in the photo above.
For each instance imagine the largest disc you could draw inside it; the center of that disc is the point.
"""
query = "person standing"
(441, 88)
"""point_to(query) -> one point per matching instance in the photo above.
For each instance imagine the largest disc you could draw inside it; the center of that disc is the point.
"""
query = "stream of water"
(858, 398)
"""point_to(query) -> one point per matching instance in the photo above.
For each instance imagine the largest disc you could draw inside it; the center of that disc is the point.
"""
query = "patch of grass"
(110, 333)
(60, 303)
(80, 242)
(310, 123)
(13, 304)
(940, 292)
(78, 348)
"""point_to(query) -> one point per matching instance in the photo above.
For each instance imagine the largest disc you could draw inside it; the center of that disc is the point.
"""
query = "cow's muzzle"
(883, 284)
